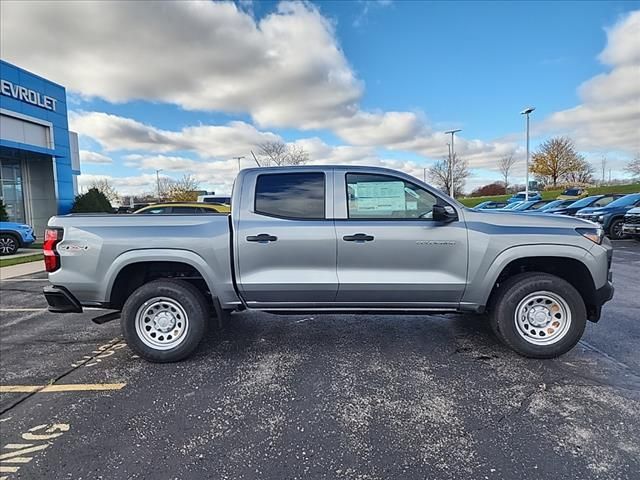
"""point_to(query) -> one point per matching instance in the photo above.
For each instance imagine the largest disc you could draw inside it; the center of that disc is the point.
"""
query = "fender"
(214, 283)
(484, 279)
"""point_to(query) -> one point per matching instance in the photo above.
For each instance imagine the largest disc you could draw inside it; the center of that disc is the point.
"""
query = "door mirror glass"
(444, 213)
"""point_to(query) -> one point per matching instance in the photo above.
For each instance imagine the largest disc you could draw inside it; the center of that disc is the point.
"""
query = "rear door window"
(297, 196)
(186, 210)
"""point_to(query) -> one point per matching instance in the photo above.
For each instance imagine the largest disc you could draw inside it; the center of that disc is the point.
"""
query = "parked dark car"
(592, 201)
(530, 206)
(631, 224)
(520, 196)
(490, 205)
(611, 216)
(554, 205)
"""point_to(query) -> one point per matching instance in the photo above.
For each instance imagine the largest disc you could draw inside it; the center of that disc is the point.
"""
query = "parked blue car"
(520, 196)
(611, 216)
(14, 236)
(490, 205)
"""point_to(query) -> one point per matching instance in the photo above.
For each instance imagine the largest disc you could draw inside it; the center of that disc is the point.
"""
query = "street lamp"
(239, 158)
(158, 182)
(451, 154)
(526, 112)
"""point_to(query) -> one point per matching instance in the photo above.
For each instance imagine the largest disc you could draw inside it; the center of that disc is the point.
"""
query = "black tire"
(9, 244)
(188, 297)
(615, 229)
(515, 290)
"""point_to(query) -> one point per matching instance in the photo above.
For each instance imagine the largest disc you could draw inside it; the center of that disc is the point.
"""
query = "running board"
(107, 317)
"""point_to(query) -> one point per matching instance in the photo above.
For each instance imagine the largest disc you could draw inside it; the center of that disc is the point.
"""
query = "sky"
(184, 87)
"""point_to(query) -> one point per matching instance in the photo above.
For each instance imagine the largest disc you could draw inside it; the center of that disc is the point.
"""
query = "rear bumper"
(60, 300)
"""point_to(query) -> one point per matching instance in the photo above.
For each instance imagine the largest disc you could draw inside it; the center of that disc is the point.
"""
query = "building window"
(291, 195)
(11, 188)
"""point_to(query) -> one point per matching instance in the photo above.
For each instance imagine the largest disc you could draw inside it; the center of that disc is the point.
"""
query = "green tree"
(3, 212)
(94, 201)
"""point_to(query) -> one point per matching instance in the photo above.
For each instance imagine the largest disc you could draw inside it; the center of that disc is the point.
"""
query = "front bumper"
(631, 229)
(60, 300)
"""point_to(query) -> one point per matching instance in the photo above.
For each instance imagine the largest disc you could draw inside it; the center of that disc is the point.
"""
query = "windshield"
(625, 201)
(511, 206)
(554, 204)
(524, 205)
(571, 191)
(585, 202)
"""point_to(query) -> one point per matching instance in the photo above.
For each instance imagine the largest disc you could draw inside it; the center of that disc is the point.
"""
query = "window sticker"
(379, 196)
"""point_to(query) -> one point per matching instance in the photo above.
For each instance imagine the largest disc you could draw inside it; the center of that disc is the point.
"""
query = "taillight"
(52, 237)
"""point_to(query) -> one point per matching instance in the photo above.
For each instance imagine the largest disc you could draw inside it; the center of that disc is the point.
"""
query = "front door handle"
(262, 238)
(358, 237)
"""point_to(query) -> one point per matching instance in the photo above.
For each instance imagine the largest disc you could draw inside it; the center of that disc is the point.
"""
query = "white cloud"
(609, 116)
(113, 132)
(87, 156)
(286, 69)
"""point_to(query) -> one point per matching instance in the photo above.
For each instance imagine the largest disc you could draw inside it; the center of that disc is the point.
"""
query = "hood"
(522, 219)
(592, 210)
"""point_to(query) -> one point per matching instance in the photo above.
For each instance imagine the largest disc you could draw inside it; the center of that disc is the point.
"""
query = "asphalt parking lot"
(327, 396)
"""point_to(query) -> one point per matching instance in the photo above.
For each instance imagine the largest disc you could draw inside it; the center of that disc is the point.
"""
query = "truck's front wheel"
(539, 315)
(164, 320)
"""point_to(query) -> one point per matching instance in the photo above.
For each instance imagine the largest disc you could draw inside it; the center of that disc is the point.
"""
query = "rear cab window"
(295, 196)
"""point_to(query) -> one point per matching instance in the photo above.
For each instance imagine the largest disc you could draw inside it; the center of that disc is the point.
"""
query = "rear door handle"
(358, 237)
(262, 238)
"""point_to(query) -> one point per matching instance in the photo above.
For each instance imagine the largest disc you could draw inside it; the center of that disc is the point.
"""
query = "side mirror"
(444, 213)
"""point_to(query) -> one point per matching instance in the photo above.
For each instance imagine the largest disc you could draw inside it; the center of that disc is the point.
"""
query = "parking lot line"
(79, 387)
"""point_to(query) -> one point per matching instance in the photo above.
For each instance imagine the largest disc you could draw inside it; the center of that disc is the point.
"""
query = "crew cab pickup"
(331, 239)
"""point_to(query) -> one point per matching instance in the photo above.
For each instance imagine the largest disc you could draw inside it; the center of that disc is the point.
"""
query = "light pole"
(527, 111)
(452, 152)
(158, 183)
(239, 158)
(424, 174)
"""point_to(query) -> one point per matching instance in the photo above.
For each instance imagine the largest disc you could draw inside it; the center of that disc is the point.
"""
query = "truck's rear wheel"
(164, 320)
(539, 315)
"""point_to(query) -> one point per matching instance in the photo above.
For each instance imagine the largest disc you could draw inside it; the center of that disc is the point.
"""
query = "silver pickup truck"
(331, 239)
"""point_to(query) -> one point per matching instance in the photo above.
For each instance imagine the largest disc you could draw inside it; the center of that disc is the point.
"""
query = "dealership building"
(39, 159)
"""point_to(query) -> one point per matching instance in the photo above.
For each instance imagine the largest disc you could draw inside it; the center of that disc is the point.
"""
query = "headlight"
(594, 234)
(601, 218)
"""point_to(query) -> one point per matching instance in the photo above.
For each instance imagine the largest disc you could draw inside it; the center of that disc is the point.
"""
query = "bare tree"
(505, 164)
(634, 166)
(441, 175)
(106, 188)
(582, 173)
(280, 154)
(163, 187)
(184, 189)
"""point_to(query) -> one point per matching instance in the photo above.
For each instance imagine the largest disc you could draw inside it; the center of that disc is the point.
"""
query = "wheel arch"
(135, 268)
(567, 262)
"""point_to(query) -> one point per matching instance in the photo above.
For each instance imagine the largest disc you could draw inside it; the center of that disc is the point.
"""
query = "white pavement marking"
(42, 309)
(24, 280)
(79, 387)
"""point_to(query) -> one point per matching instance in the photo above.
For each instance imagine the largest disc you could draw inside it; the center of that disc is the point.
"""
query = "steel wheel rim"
(543, 318)
(7, 245)
(161, 323)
